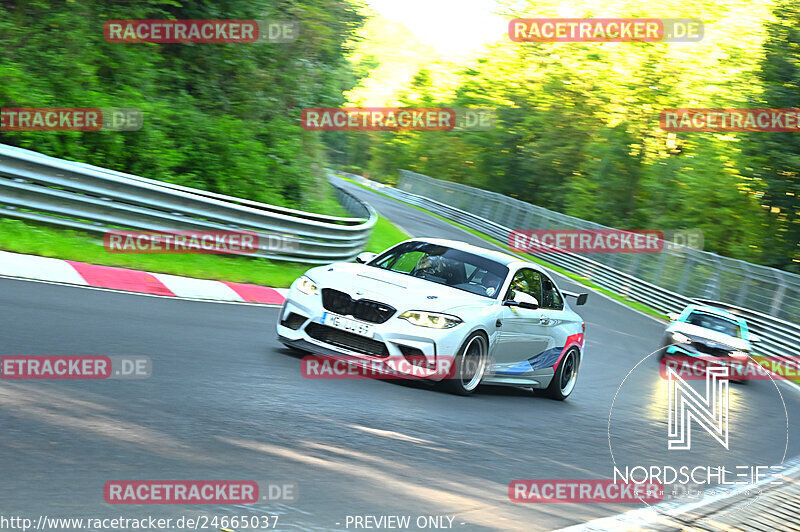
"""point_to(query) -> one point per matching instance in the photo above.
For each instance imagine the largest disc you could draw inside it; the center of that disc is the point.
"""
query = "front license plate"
(346, 324)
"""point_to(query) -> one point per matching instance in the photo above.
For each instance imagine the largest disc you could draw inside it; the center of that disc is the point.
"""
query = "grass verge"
(575, 277)
(34, 239)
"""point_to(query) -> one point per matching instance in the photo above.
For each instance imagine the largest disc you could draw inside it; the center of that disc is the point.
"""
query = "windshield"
(446, 266)
(714, 323)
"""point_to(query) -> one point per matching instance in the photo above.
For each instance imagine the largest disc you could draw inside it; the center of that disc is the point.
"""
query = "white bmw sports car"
(441, 310)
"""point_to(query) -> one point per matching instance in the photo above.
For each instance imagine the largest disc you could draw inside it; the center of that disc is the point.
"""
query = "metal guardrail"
(79, 196)
(682, 271)
(624, 275)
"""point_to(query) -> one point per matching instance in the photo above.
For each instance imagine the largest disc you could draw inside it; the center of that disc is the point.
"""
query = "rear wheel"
(565, 377)
(469, 365)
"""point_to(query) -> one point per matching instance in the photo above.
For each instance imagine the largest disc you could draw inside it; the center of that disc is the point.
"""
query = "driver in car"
(491, 283)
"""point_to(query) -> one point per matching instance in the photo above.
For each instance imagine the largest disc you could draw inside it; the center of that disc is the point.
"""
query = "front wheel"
(469, 365)
(565, 377)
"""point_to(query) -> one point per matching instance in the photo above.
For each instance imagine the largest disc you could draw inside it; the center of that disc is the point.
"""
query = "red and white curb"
(161, 284)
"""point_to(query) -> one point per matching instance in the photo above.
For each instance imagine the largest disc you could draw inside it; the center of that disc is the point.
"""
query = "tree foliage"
(578, 129)
(775, 157)
(223, 117)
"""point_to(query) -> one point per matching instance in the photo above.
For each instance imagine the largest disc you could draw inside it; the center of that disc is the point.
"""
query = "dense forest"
(223, 117)
(578, 129)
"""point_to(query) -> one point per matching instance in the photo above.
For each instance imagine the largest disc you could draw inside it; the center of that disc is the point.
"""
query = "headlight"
(307, 286)
(739, 354)
(434, 320)
(680, 338)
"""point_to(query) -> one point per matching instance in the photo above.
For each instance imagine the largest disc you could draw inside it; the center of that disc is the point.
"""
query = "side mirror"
(520, 304)
(365, 257)
(580, 299)
(753, 338)
(673, 316)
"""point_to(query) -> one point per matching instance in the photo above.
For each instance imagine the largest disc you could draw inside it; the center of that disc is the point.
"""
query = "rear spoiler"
(581, 298)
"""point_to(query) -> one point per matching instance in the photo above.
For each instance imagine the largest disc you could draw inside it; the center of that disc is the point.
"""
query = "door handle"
(544, 320)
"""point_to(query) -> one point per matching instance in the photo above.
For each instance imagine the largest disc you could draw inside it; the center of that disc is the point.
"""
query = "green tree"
(776, 156)
(224, 117)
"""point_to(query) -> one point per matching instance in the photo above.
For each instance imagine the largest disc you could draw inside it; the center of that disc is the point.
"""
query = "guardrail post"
(712, 286)
(777, 299)
(685, 275)
(530, 223)
(745, 288)
(497, 212)
(659, 272)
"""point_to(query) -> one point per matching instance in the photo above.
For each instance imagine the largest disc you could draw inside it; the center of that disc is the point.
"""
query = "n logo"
(685, 405)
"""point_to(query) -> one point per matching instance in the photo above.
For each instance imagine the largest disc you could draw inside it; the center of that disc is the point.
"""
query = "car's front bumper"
(397, 345)
(735, 359)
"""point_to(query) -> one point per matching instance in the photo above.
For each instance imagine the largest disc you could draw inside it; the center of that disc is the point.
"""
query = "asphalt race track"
(227, 401)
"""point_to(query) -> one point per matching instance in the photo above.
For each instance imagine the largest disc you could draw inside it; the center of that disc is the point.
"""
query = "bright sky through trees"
(577, 123)
(452, 27)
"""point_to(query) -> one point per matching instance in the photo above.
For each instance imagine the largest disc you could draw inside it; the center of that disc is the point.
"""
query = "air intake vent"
(294, 321)
(340, 338)
(362, 309)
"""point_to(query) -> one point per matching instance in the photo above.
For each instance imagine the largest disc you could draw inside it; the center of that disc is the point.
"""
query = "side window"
(528, 282)
(551, 298)
(470, 271)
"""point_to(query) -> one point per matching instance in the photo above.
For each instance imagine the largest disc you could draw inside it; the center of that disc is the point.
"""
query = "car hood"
(401, 291)
(709, 337)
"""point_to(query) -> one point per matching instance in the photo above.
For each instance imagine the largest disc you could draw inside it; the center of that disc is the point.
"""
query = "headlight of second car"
(307, 286)
(434, 320)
